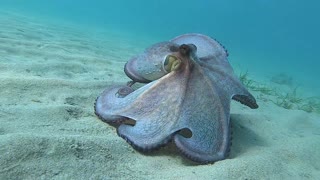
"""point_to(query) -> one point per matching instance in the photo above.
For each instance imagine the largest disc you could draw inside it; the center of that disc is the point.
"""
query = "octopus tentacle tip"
(246, 100)
(191, 74)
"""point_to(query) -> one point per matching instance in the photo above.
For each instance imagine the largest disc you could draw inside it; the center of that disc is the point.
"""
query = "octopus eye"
(187, 49)
(171, 63)
(193, 47)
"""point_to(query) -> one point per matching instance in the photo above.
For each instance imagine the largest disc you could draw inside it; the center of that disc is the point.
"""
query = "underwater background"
(57, 56)
(269, 36)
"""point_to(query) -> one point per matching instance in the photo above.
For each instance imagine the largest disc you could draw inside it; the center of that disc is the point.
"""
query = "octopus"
(188, 85)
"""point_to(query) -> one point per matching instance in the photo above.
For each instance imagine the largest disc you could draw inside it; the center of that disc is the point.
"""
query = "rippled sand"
(50, 77)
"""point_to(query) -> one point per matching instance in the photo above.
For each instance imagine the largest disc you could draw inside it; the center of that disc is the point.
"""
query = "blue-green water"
(50, 77)
(269, 36)
(263, 37)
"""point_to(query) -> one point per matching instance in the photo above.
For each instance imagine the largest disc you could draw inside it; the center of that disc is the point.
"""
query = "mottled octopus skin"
(147, 67)
(195, 97)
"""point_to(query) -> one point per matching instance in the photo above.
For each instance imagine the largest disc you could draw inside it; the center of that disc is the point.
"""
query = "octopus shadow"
(243, 139)
(171, 151)
(244, 136)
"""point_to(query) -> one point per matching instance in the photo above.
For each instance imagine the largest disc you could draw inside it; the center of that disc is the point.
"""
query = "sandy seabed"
(50, 77)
